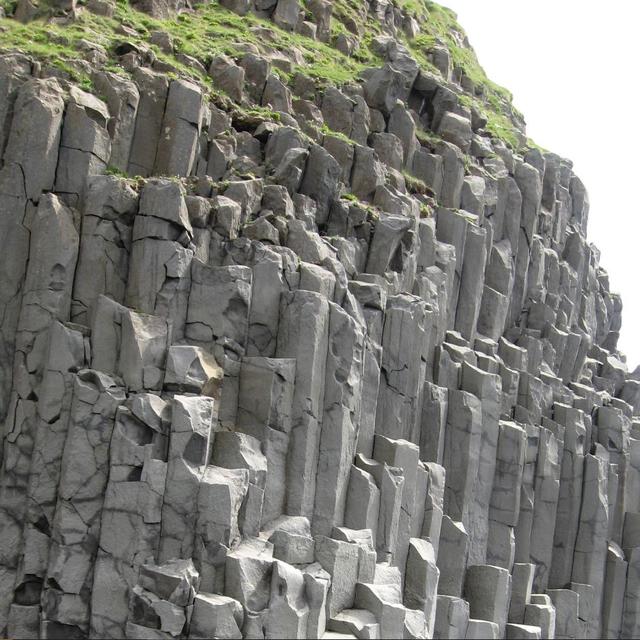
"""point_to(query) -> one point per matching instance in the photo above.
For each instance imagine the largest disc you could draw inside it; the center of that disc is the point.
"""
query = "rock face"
(358, 380)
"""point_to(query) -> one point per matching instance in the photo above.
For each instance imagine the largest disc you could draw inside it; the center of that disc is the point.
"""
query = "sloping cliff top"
(74, 40)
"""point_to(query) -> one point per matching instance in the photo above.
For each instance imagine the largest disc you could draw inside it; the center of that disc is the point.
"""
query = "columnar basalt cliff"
(300, 336)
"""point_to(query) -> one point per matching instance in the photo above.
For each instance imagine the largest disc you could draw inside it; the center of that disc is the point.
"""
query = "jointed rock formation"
(290, 359)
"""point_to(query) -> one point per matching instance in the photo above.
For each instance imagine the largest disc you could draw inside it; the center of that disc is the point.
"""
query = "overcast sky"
(572, 68)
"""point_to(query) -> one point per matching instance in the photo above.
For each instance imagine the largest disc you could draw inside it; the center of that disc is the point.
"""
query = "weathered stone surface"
(340, 560)
(231, 287)
(105, 244)
(228, 76)
(153, 88)
(456, 129)
(303, 334)
(320, 180)
(191, 431)
(541, 613)
(216, 616)
(421, 582)
(452, 557)
(462, 442)
(176, 152)
(452, 617)
(402, 373)
(123, 99)
(336, 362)
(340, 418)
(488, 590)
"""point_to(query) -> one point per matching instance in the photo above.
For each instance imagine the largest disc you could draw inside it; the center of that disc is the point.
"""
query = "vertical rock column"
(504, 508)
(462, 442)
(590, 555)
(85, 145)
(487, 388)
(29, 168)
(46, 298)
(65, 355)
(108, 210)
(403, 370)
(373, 299)
(570, 496)
(161, 254)
(192, 420)
(76, 526)
(303, 335)
(530, 185)
(340, 419)
(265, 401)
(547, 488)
(130, 528)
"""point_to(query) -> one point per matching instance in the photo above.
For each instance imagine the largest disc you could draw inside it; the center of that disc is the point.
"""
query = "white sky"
(572, 66)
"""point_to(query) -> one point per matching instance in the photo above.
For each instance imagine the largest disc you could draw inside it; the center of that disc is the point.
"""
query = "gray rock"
(216, 615)
(277, 95)
(85, 146)
(428, 167)
(341, 419)
(247, 193)
(367, 174)
(337, 110)
(343, 152)
(248, 574)
(288, 612)
(153, 89)
(456, 129)
(340, 560)
(325, 399)
(320, 180)
(105, 244)
(303, 334)
(452, 174)
(123, 98)
(384, 87)
(321, 11)
(180, 129)
(389, 149)
(15, 69)
(228, 76)
(488, 590)
(241, 7)
(462, 440)
(256, 71)
(452, 617)
(421, 583)
(192, 369)
(402, 124)
(231, 287)
(401, 371)
(541, 614)
(286, 14)
(191, 432)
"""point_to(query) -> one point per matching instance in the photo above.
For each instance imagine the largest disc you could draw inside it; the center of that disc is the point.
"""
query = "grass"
(211, 30)
(426, 211)
(439, 26)
(327, 131)
(114, 171)
(415, 185)
(427, 138)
